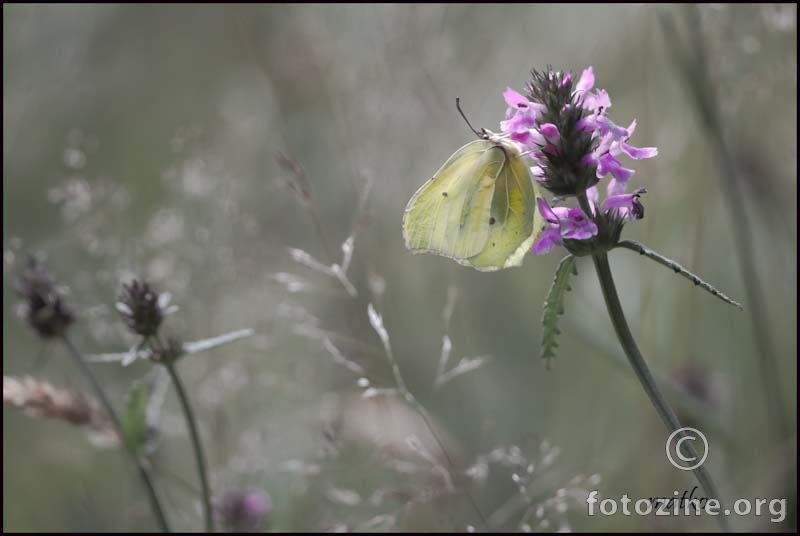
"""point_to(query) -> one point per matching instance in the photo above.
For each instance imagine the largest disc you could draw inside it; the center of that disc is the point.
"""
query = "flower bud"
(142, 308)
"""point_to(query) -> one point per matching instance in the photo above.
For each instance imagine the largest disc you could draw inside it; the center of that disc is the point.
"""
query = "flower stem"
(198, 447)
(155, 504)
(646, 378)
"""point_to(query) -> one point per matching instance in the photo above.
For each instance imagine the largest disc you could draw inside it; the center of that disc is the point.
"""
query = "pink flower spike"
(545, 210)
(586, 81)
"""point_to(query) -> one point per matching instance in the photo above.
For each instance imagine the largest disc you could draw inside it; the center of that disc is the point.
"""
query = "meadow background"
(142, 140)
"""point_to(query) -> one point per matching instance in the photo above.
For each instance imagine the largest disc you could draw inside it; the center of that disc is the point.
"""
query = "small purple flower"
(598, 102)
(577, 225)
(562, 222)
(628, 205)
(520, 120)
(636, 153)
(608, 164)
(550, 237)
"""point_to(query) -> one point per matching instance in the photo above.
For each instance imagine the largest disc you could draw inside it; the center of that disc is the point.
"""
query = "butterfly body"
(478, 209)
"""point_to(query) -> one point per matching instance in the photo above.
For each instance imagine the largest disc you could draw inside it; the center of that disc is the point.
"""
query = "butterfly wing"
(449, 214)
(515, 222)
(478, 209)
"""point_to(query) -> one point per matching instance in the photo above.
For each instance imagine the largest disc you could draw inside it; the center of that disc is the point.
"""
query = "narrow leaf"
(226, 338)
(134, 417)
(554, 306)
(118, 357)
(191, 347)
(678, 269)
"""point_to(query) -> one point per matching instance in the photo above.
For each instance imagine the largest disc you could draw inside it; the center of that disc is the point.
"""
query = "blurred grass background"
(142, 140)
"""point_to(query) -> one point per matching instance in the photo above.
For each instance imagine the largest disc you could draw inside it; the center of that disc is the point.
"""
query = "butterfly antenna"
(482, 133)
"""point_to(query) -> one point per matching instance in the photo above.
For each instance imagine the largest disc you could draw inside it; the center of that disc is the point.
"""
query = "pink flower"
(613, 144)
(608, 164)
(627, 205)
(562, 223)
(520, 120)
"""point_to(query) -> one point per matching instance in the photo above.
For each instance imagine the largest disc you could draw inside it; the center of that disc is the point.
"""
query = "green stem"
(198, 447)
(155, 504)
(646, 378)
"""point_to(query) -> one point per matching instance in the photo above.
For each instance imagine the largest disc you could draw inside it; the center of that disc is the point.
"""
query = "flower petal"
(609, 164)
(615, 187)
(638, 153)
(627, 204)
(586, 81)
(515, 99)
(607, 126)
(545, 210)
(593, 196)
(597, 100)
(523, 119)
(550, 237)
(577, 225)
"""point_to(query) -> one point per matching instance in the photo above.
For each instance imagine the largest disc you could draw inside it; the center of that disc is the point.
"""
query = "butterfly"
(479, 209)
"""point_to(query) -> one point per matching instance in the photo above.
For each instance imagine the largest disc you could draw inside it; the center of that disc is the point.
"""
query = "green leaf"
(677, 268)
(134, 417)
(554, 306)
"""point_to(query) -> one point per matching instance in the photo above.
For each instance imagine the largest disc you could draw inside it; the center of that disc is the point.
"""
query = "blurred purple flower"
(44, 305)
(243, 510)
